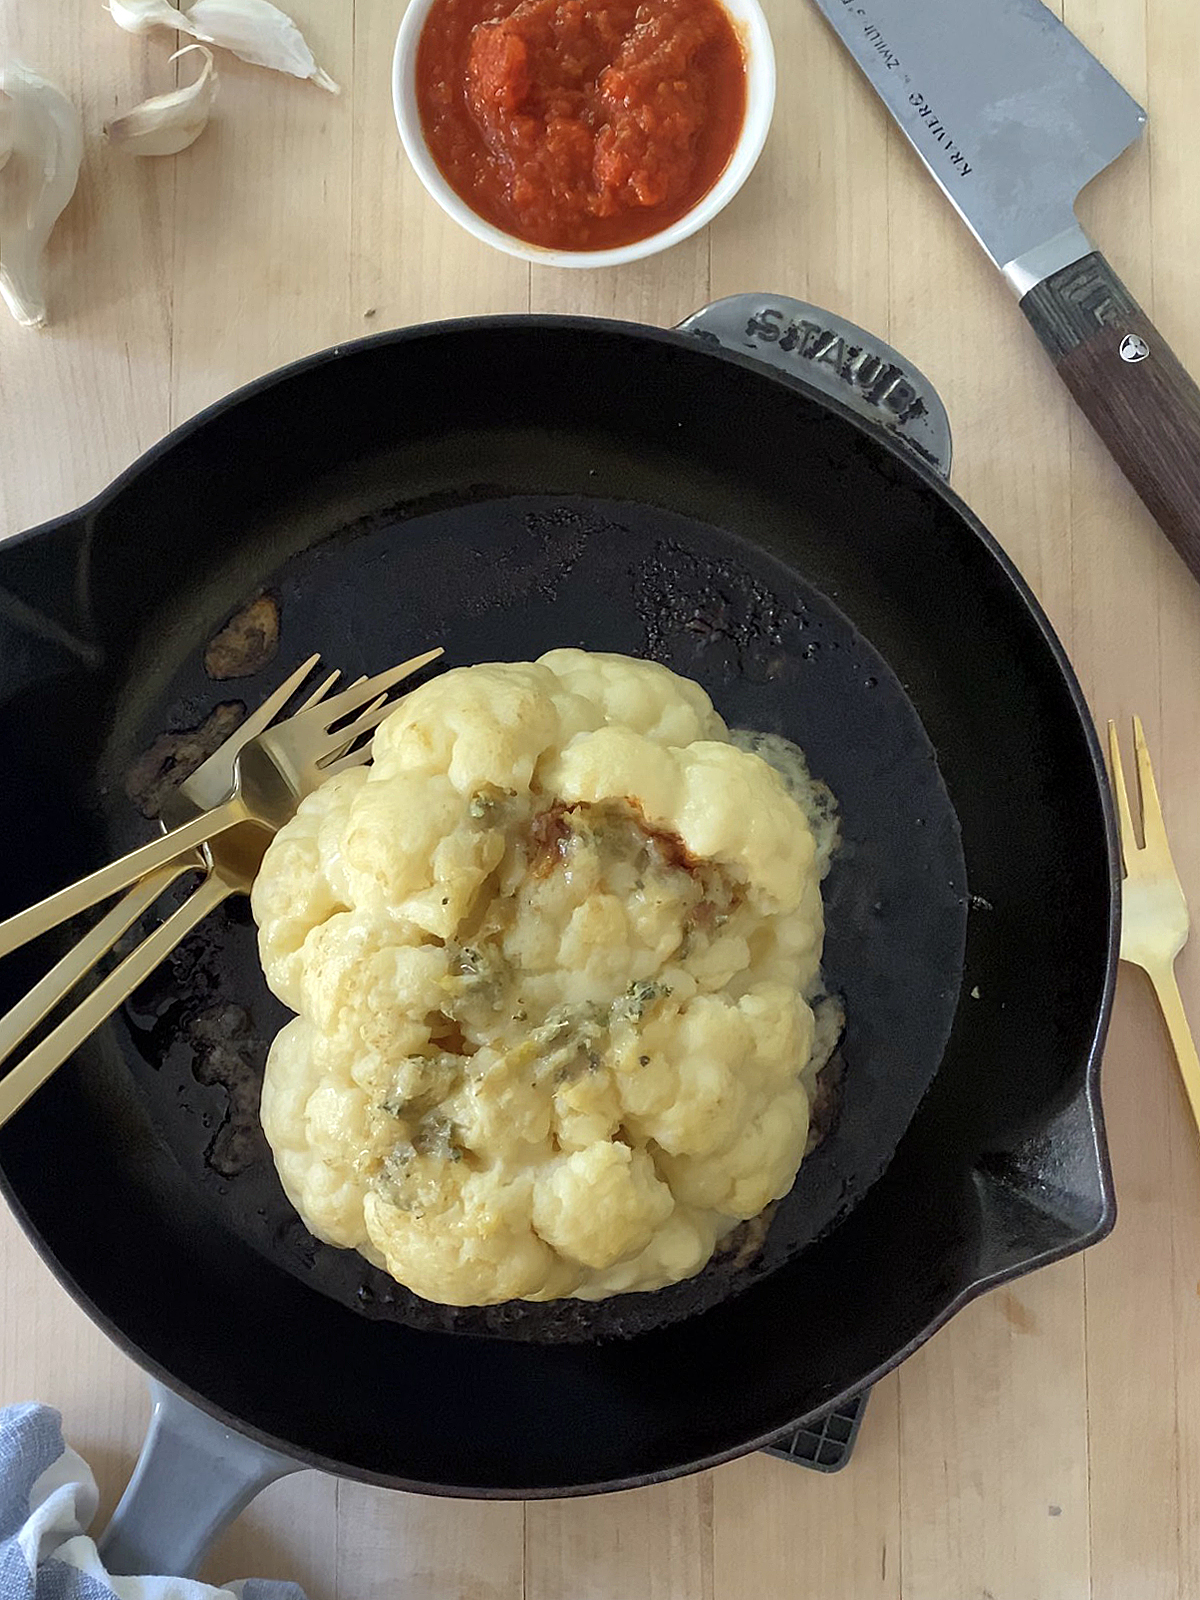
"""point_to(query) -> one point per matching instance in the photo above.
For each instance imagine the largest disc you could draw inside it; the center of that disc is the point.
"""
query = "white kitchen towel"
(47, 1501)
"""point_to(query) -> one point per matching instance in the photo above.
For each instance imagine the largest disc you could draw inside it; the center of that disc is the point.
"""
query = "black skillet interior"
(502, 488)
(776, 656)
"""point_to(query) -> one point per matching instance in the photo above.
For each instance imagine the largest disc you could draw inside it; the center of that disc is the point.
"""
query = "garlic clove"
(143, 16)
(7, 115)
(46, 135)
(168, 123)
(258, 32)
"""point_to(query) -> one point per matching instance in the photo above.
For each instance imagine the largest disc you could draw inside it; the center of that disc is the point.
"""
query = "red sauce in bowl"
(580, 124)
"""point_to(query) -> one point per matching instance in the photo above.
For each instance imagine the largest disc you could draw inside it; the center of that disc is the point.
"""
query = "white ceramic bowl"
(751, 25)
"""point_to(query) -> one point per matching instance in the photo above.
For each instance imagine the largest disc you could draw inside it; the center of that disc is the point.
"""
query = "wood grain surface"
(1046, 1445)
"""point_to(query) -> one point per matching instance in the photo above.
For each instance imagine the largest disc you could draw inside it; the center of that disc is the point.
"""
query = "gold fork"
(271, 774)
(1154, 913)
(230, 862)
(204, 788)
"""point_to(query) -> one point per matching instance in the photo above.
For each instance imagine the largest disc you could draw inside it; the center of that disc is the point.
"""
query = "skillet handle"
(193, 1477)
(833, 356)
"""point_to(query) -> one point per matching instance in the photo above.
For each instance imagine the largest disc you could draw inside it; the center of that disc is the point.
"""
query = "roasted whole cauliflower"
(552, 957)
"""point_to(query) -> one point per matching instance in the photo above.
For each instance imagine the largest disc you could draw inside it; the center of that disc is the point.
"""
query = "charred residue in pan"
(173, 757)
(230, 1053)
(248, 642)
(206, 1047)
(161, 1009)
(181, 1011)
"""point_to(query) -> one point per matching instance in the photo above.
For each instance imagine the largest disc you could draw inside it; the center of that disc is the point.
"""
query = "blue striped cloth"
(47, 1501)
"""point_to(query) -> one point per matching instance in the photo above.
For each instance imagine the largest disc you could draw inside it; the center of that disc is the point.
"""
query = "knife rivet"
(1134, 348)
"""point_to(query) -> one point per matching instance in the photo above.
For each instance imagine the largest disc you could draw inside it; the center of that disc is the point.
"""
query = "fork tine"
(356, 697)
(339, 743)
(264, 715)
(319, 694)
(1129, 844)
(356, 758)
(321, 690)
(348, 735)
(1154, 829)
(213, 778)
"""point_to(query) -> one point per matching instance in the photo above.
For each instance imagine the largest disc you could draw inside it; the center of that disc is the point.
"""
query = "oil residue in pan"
(508, 579)
(525, 558)
(718, 615)
(209, 1047)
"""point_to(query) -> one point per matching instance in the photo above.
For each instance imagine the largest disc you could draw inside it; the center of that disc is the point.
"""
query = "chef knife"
(1013, 117)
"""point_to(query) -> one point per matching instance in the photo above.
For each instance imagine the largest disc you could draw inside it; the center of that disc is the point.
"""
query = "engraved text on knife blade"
(924, 108)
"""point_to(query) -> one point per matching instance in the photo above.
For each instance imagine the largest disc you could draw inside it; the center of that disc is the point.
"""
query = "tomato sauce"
(581, 124)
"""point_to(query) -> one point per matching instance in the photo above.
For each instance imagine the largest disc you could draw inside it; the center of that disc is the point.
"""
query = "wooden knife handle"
(1130, 386)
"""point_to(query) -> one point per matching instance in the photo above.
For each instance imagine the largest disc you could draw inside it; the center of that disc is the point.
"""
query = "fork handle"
(118, 875)
(46, 1057)
(79, 960)
(1171, 1004)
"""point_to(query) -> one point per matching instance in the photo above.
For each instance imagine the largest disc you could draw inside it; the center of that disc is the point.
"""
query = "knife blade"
(1013, 117)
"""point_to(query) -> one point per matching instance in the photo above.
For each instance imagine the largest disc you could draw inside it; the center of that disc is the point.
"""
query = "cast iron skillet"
(502, 486)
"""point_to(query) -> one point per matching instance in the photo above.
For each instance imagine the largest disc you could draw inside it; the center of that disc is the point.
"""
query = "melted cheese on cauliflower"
(551, 957)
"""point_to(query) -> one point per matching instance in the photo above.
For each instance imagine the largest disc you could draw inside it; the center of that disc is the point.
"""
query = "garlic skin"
(7, 116)
(143, 16)
(258, 32)
(168, 123)
(46, 142)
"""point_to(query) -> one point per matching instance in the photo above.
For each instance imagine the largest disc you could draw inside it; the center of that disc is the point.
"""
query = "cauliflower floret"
(365, 990)
(650, 700)
(299, 892)
(724, 808)
(481, 726)
(552, 955)
(463, 1242)
(758, 1167)
(599, 1205)
(407, 851)
(319, 1125)
(679, 1248)
(499, 1103)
